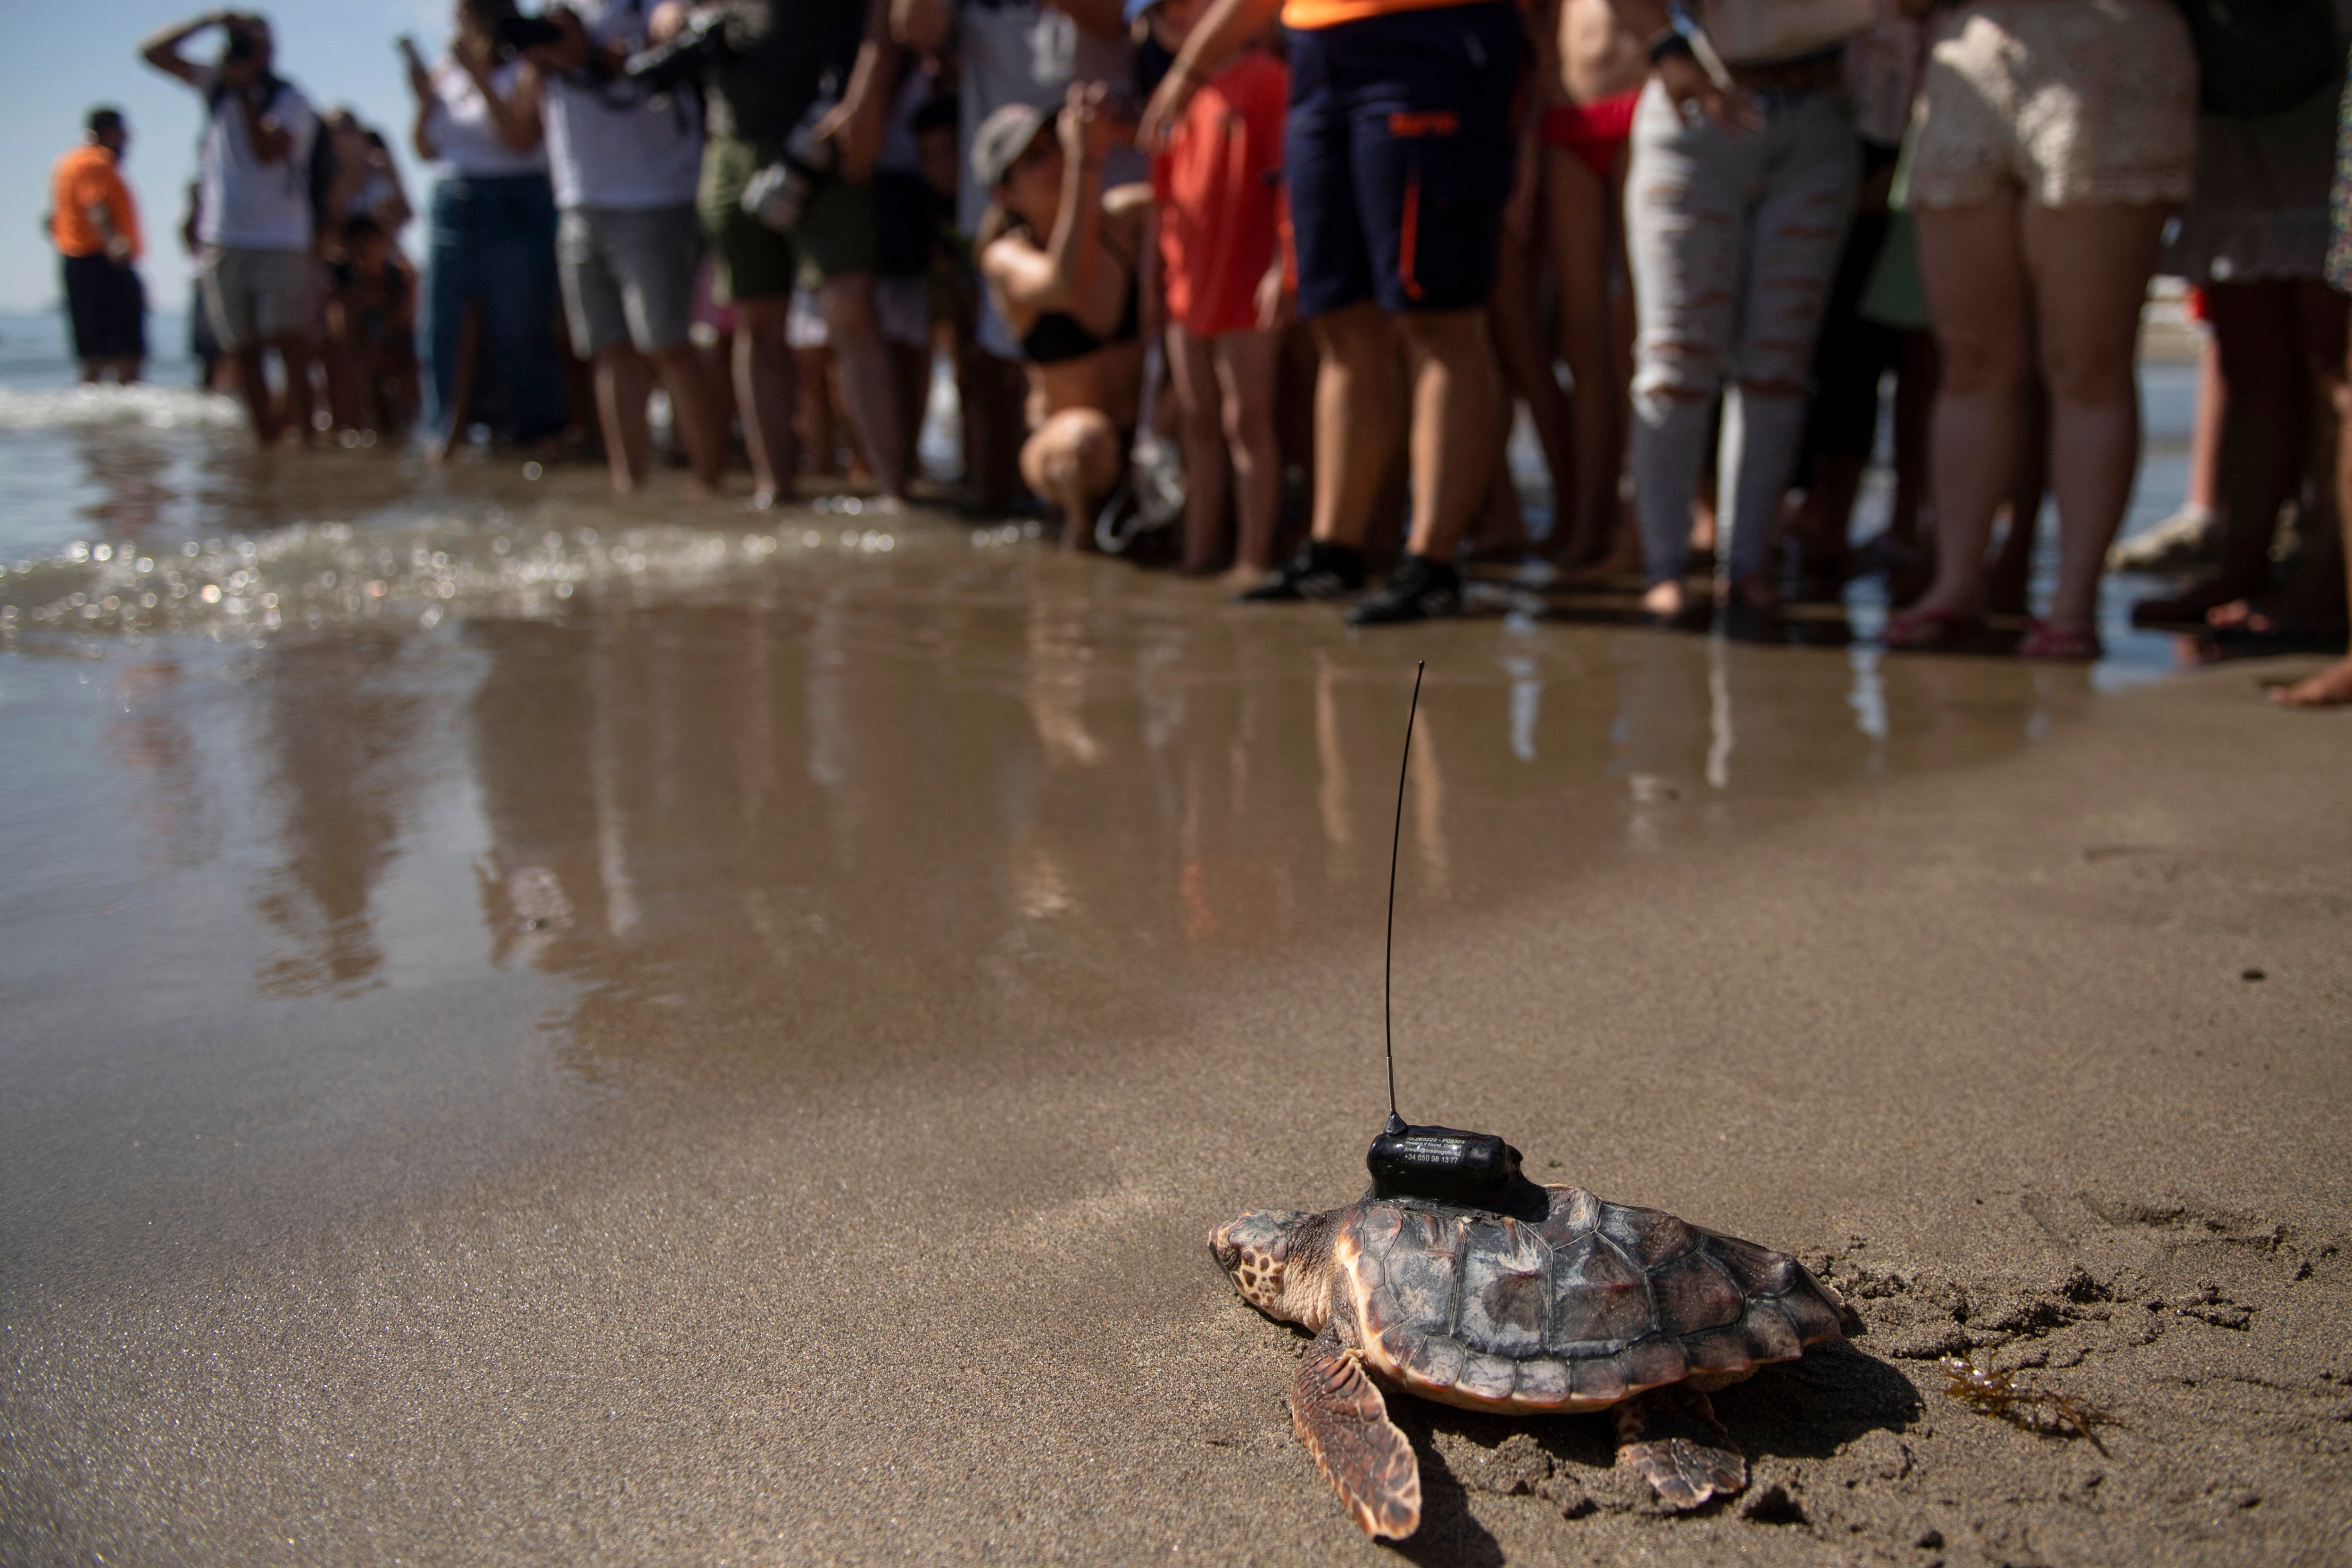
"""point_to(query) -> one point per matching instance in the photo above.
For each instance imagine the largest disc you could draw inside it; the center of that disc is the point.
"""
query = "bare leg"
(294, 354)
(2090, 266)
(764, 394)
(1072, 461)
(2265, 389)
(1969, 259)
(459, 414)
(1247, 367)
(2204, 494)
(2332, 688)
(253, 385)
(994, 394)
(693, 413)
(1359, 419)
(2009, 581)
(1587, 243)
(856, 332)
(1514, 319)
(1457, 396)
(623, 380)
(1191, 363)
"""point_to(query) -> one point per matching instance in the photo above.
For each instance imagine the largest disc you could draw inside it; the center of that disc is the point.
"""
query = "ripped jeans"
(1734, 237)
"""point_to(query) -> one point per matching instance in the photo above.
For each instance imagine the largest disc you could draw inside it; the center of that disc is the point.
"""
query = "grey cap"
(1001, 139)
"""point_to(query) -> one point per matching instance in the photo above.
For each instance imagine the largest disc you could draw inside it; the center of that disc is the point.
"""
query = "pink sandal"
(2075, 646)
(1929, 631)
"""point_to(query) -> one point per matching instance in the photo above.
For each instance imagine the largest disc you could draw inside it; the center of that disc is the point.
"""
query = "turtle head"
(1274, 1258)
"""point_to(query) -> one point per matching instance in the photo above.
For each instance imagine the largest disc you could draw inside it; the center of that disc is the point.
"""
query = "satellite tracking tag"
(1443, 1165)
(1441, 1162)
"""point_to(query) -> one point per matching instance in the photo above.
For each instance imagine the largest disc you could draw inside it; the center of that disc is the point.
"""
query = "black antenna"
(1388, 958)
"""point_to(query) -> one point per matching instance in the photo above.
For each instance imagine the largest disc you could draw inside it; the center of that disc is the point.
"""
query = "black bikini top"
(1057, 335)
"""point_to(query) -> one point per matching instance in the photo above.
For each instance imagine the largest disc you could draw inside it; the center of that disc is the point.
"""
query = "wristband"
(1668, 45)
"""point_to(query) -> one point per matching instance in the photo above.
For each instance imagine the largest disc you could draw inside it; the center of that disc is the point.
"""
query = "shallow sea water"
(292, 745)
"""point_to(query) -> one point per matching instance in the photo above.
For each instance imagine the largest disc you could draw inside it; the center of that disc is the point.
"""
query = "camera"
(698, 45)
(515, 35)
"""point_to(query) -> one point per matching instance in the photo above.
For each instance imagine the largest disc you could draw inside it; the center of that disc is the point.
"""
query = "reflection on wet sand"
(340, 723)
(840, 793)
(862, 779)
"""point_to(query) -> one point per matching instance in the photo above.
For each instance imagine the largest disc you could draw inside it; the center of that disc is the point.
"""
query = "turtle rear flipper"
(1345, 1424)
(1671, 1436)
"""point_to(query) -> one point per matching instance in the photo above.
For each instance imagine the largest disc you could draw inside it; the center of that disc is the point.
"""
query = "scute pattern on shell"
(1592, 1303)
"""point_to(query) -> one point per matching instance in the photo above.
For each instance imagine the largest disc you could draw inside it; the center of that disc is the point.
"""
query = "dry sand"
(751, 1085)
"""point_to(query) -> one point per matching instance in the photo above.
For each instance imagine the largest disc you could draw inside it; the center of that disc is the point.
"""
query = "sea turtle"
(1552, 1301)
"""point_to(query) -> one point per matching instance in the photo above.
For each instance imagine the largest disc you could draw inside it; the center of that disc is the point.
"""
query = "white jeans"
(1734, 237)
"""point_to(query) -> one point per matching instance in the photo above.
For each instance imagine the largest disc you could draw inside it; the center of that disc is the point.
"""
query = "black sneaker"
(1317, 571)
(1422, 589)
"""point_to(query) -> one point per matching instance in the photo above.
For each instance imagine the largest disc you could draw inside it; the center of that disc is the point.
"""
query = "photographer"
(490, 237)
(255, 219)
(624, 162)
(770, 76)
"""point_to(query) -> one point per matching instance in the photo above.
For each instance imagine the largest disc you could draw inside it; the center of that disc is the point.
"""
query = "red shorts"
(1593, 132)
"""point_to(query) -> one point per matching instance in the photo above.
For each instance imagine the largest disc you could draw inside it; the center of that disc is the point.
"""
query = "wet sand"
(747, 1077)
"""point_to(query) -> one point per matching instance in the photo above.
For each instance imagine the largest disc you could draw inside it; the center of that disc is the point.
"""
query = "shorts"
(107, 306)
(257, 297)
(748, 260)
(1398, 149)
(837, 235)
(1596, 131)
(2261, 209)
(2078, 101)
(627, 275)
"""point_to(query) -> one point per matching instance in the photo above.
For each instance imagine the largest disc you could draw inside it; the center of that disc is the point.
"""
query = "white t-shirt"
(245, 203)
(611, 145)
(1017, 51)
(459, 122)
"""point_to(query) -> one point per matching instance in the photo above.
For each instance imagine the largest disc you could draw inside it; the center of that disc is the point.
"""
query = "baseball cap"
(1001, 139)
(1135, 8)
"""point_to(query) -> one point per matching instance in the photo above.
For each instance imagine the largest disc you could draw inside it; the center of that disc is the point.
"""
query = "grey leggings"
(1734, 237)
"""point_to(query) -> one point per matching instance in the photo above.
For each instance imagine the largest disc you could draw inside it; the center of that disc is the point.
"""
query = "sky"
(62, 59)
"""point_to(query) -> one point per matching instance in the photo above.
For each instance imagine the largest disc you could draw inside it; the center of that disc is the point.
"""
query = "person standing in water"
(254, 215)
(94, 224)
(1400, 150)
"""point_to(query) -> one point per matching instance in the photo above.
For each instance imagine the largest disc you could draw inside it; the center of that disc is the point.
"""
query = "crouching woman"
(1060, 256)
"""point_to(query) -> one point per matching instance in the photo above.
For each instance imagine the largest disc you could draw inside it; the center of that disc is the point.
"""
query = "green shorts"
(836, 234)
(748, 260)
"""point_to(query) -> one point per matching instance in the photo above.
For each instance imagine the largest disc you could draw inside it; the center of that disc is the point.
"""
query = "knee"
(1247, 417)
(849, 306)
(1969, 364)
(1200, 416)
(2088, 377)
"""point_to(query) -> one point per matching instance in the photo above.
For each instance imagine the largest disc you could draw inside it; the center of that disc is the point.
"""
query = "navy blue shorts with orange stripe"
(1398, 152)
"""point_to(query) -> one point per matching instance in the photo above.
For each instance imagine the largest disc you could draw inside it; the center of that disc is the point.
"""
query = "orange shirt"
(1309, 15)
(1218, 203)
(85, 178)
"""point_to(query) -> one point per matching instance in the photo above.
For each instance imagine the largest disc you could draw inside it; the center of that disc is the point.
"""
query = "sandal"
(2077, 646)
(1929, 631)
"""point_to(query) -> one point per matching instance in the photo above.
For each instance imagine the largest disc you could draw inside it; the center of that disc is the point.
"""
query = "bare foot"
(1664, 600)
(2331, 687)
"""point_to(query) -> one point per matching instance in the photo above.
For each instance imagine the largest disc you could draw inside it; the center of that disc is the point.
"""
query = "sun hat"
(1001, 139)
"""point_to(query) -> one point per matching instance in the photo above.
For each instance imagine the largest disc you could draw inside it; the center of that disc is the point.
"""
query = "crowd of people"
(1351, 242)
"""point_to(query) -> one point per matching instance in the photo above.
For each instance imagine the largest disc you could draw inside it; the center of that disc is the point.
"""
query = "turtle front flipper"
(1345, 1424)
(1671, 1436)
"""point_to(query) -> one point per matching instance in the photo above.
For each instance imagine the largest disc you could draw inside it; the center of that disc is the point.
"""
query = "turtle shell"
(1590, 1304)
